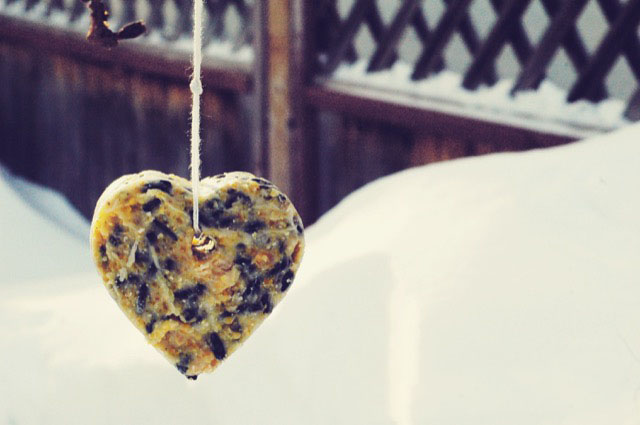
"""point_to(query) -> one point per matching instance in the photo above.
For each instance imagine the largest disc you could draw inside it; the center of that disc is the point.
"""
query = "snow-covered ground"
(496, 290)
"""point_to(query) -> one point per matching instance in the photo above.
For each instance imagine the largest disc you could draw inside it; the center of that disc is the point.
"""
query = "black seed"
(265, 300)
(250, 307)
(212, 214)
(234, 195)
(133, 279)
(119, 281)
(226, 221)
(103, 253)
(216, 345)
(118, 229)
(190, 313)
(152, 270)
(142, 257)
(163, 185)
(192, 377)
(281, 198)
(225, 314)
(114, 240)
(296, 222)
(149, 327)
(141, 303)
(242, 260)
(241, 247)
(235, 326)
(254, 226)
(279, 266)
(262, 181)
(253, 286)
(190, 291)
(171, 317)
(219, 176)
(151, 205)
(163, 228)
(246, 268)
(286, 281)
(183, 363)
(205, 220)
(170, 264)
(152, 237)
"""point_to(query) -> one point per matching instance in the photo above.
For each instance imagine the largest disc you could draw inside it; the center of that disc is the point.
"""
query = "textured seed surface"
(196, 302)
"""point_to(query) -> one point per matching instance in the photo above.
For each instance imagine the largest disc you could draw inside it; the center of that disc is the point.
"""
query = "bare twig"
(99, 31)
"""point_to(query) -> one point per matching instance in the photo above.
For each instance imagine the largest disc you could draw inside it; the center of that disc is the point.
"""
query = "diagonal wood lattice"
(620, 40)
(336, 36)
(170, 26)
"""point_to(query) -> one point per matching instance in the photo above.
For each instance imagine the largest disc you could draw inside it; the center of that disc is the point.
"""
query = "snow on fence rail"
(509, 28)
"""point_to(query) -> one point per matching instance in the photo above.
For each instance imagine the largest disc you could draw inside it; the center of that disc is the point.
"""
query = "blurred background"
(501, 289)
(320, 96)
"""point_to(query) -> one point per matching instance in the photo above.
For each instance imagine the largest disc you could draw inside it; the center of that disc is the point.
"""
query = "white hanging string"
(196, 90)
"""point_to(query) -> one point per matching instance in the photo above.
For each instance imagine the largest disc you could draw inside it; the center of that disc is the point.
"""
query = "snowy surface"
(41, 234)
(548, 102)
(486, 291)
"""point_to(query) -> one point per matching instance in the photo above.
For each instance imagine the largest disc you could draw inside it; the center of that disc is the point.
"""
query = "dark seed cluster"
(188, 300)
(216, 345)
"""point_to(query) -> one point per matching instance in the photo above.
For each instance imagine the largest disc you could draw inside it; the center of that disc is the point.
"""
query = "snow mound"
(41, 233)
(495, 290)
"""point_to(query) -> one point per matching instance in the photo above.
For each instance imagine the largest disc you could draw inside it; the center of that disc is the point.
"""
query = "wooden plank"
(374, 22)
(303, 122)
(348, 31)
(517, 38)
(260, 147)
(155, 20)
(77, 10)
(428, 149)
(150, 60)
(633, 109)
(215, 24)
(291, 152)
(183, 22)
(54, 5)
(607, 52)
(471, 40)
(510, 14)
(563, 21)
(329, 19)
(449, 21)
(631, 49)
(574, 48)
(442, 118)
(422, 29)
(383, 55)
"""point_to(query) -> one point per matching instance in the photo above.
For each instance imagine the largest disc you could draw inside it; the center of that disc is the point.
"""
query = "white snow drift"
(486, 291)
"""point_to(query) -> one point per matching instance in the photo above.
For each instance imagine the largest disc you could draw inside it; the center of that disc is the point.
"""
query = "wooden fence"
(75, 116)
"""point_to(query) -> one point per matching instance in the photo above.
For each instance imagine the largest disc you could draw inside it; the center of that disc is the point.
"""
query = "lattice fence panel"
(168, 21)
(561, 33)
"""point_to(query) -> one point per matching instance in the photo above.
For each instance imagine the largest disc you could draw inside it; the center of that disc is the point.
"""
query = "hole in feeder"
(202, 245)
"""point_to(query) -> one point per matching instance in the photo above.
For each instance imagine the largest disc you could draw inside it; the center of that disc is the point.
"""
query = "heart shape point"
(196, 298)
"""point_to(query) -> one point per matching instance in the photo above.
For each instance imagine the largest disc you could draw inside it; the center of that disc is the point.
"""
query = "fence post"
(285, 125)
